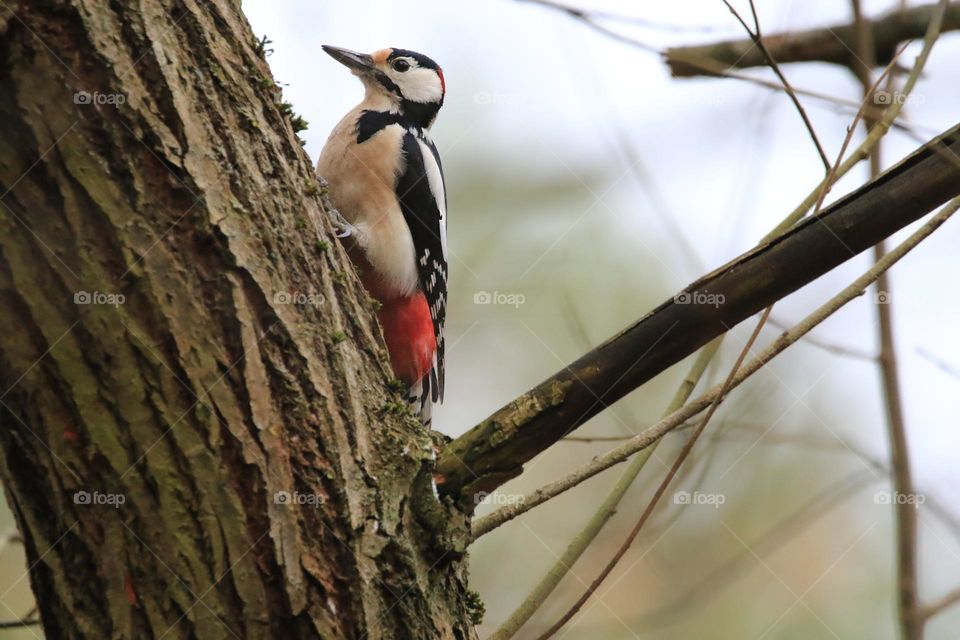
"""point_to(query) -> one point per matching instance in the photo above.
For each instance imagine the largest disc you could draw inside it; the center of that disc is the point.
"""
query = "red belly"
(406, 322)
(408, 330)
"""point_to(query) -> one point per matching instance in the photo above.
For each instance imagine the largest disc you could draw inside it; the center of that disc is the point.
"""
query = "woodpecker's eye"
(400, 65)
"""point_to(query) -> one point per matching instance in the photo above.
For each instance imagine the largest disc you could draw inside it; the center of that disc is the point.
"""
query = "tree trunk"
(198, 434)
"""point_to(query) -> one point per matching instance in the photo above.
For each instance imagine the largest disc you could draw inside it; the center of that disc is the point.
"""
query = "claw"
(342, 228)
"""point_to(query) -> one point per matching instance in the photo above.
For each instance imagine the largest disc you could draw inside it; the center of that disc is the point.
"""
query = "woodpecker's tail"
(420, 399)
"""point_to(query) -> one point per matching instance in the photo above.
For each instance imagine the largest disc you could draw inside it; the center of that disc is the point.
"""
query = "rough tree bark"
(180, 333)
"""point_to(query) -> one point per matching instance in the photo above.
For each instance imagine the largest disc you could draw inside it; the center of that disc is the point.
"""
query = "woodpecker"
(385, 179)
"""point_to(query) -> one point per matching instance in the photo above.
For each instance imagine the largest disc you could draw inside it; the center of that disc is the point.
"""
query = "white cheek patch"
(419, 85)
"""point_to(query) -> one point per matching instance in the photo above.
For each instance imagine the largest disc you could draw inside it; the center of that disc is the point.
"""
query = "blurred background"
(585, 187)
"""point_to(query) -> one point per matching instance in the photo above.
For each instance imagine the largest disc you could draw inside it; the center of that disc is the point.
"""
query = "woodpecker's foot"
(342, 228)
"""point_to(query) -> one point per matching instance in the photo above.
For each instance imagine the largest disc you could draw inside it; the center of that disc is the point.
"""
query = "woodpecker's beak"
(359, 62)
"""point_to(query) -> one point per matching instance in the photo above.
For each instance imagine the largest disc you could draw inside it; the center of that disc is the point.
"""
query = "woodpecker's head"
(411, 81)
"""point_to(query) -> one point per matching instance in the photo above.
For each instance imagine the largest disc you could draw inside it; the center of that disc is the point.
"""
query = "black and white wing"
(423, 199)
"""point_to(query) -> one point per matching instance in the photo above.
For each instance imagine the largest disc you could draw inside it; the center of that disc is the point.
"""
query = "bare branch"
(829, 347)
(579, 13)
(941, 604)
(939, 363)
(907, 520)
(757, 38)
(832, 176)
(605, 511)
(830, 44)
(595, 439)
(656, 431)
(27, 621)
(765, 544)
(713, 68)
(662, 487)
(588, 18)
(495, 451)
(878, 131)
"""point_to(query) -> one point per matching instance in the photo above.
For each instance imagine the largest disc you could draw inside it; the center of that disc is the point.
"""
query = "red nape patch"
(443, 83)
(408, 330)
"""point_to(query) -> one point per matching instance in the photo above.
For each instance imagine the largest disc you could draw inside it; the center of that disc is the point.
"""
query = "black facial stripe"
(383, 79)
(421, 59)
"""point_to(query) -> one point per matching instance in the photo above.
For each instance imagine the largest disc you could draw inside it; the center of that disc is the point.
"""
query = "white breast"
(361, 179)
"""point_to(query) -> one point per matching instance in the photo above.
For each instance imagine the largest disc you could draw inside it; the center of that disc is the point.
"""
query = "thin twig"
(832, 176)
(789, 527)
(765, 544)
(581, 542)
(829, 347)
(939, 605)
(677, 418)
(907, 522)
(661, 488)
(594, 439)
(841, 103)
(658, 202)
(587, 18)
(940, 364)
(717, 69)
(12, 536)
(879, 130)
(831, 44)
(607, 509)
(757, 38)
(19, 624)
(540, 496)
(624, 19)
(506, 513)
(27, 620)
